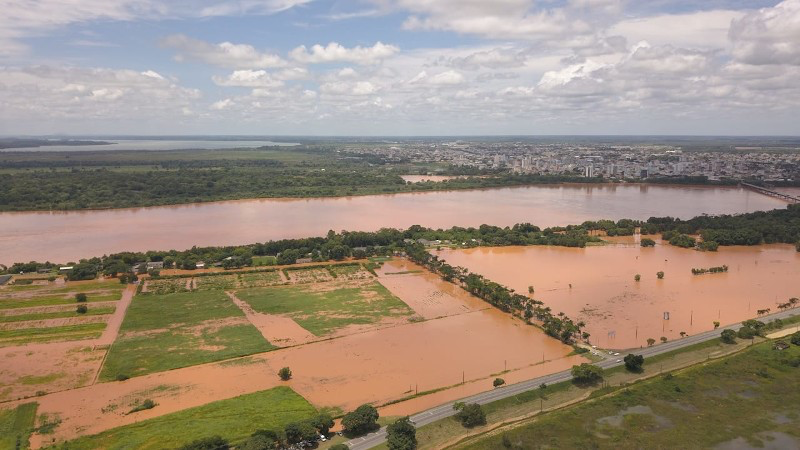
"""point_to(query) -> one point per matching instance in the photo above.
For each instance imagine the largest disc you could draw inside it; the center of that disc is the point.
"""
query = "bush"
(81, 309)
(709, 246)
(80, 297)
(746, 333)
(122, 377)
(362, 420)
(795, 338)
(728, 336)
(587, 373)
(470, 414)
(147, 404)
(209, 443)
(285, 373)
(647, 242)
(401, 435)
(634, 362)
(498, 382)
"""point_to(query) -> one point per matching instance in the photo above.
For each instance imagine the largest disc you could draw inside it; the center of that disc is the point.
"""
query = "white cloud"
(769, 35)
(248, 78)
(703, 29)
(450, 77)
(335, 52)
(495, 58)
(225, 54)
(222, 104)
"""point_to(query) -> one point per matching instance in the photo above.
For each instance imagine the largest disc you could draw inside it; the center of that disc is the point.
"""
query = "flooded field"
(65, 236)
(596, 285)
(462, 340)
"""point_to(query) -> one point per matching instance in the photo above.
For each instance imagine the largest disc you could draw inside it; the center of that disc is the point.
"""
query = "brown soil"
(48, 323)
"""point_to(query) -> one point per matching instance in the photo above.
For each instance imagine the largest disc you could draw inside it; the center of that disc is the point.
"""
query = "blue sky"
(394, 67)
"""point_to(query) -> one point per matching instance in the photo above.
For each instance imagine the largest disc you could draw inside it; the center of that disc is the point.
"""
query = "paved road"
(446, 410)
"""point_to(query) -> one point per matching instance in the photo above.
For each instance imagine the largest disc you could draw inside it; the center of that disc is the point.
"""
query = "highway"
(446, 410)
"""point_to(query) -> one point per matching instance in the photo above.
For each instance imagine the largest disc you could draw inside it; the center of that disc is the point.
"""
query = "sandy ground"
(378, 365)
(782, 333)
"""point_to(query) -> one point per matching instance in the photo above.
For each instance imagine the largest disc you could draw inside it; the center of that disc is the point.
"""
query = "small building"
(303, 260)
(200, 265)
(64, 269)
(155, 265)
(780, 345)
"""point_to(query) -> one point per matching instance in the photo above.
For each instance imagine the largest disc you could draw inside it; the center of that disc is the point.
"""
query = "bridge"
(771, 193)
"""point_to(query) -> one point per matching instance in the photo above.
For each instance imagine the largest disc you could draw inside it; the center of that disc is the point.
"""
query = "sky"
(399, 67)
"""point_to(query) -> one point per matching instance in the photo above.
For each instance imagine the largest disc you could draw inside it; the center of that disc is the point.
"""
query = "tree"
(82, 271)
(637, 277)
(795, 338)
(683, 334)
(287, 257)
(650, 342)
(209, 443)
(258, 442)
(746, 333)
(285, 373)
(716, 324)
(322, 423)
(728, 336)
(81, 309)
(300, 431)
(469, 414)
(498, 382)
(660, 275)
(634, 362)
(401, 435)
(80, 297)
(362, 420)
(647, 242)
(663, 340)
(587, 373)
(530, 290)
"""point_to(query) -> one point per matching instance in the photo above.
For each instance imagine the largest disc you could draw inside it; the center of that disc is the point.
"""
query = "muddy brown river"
(596, 285)
(68, 236)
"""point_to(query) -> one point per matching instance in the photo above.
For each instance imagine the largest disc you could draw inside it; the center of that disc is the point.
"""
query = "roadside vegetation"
(16, 426)
(749, 392)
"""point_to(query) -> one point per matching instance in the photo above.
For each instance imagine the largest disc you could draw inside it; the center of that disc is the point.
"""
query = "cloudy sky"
(399, 67)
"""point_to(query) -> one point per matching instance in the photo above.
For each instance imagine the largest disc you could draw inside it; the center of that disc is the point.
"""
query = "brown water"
(622, 313)
(65, 236)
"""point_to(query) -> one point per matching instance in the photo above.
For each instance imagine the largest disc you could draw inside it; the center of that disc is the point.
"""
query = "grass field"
(323, 311)
(48, 334)
(5, 318)
(749, 398)
(16, 425)
(26, 296)
(233, 419)
(162, 332)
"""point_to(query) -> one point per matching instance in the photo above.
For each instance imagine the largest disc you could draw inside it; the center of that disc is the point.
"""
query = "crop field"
(166, 286)
(308, 275)
(48, 311)
(215, 282)
(744, 401)
(324, 309)
(16, 426)
(234, 419)
(162, 332)
(348, 272)
(260, 279)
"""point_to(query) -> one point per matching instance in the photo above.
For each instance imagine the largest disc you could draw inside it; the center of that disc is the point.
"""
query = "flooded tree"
(285, 373)
(663, 340)
(650, 342)
(660, 275)
(637, 277)
(498, 382)
(647, 242)
(716, 324)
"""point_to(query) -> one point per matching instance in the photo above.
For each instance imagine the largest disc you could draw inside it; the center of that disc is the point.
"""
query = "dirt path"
(283, 276)
(278, 330)
(115, 321)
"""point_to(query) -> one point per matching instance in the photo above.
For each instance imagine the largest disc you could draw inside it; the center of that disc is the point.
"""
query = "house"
(155, 265)
(200, 265)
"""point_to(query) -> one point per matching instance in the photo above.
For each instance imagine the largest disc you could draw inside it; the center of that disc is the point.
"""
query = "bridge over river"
(771, 193)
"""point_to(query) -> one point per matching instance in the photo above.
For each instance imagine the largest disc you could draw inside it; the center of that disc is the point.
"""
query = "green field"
(233, 419)
(48, 334)
(16, 426)
(12, 297)
(93, 311)
(749, 398)
(162, 332)
(322, 312)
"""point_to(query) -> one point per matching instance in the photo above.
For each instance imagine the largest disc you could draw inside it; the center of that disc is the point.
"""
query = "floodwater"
(68, 236)
(155, 144)
(621, 313)
(374, 366)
